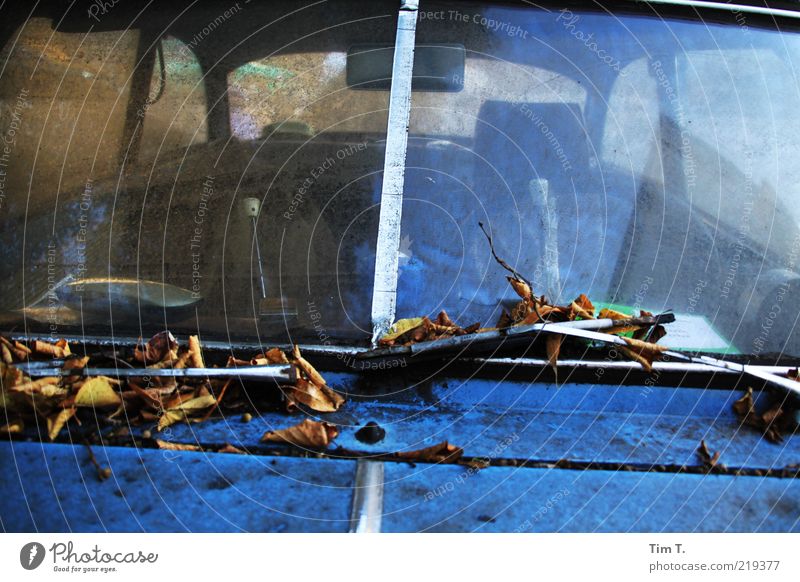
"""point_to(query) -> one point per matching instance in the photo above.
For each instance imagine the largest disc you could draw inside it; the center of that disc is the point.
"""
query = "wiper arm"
(580, 329)
(279, 373)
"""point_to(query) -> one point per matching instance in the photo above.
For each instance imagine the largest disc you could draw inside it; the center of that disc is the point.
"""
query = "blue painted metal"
(54, 488)
(503, 499)
(603, 424)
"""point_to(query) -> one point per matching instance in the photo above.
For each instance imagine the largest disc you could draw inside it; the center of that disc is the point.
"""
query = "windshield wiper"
(577, 329)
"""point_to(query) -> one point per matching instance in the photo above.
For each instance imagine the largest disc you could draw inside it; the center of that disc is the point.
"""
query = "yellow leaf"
(97, 393)
(402, 326)
(55, 422)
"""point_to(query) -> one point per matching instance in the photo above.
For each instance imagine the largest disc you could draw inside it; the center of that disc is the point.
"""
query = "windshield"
(233, 177)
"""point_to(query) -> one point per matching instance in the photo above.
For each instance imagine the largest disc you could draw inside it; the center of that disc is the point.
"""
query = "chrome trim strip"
(367, 510)
(384, 292)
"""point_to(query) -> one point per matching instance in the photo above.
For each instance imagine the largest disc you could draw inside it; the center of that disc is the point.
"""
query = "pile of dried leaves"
(642, 346)
(141, 399)
(531, 309)
(773, 423)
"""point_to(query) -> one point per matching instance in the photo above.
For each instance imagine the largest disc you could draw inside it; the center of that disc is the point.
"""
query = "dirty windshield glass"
(205, 170)
(647, 163)
(219, 169)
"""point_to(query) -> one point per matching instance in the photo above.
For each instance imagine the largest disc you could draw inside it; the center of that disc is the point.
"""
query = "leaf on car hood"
(709, 461)
(772, 423)
(309, 433)
(438, 453)
(318, 398)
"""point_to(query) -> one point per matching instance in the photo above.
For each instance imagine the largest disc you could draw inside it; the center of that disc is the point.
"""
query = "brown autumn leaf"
(195, 353)
(709, 461)
(6, 354)
(273, 356)
(57, 420)
(188, 409)
(97, 393)
(168, 446)
(643, 352)
(158, 348)
(582, 308)
(42, 385)
(400, 329)
(58, 350)
(16, 350)
(520, 287)
(553, 345)
(309, 433)
(318, 398)
(772, 423)
(438, 453)
(12, 427)
(228, 448)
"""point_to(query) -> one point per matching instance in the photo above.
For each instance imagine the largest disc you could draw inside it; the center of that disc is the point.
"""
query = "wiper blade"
(500, 336)
(279, 373)
(578, 329)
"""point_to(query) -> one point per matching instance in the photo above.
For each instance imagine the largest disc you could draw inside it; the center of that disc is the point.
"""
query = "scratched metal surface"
(653, 431)
(57, 490)
(535, 422)
(53, 487)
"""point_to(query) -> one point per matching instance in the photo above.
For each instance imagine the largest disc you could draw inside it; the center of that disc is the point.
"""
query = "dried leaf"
(438, 453)
(309, 370)
(771, 423)
(553, 345)
(35, 386)
(231, 449)
(709, 461)
(157, 348)
(643, 352)
(13, 427)
(582, 307)
(273, 356)
(97, 393)
(308, 433)
(55, 422)
(195, 352)
(520, 287)
(60, 349)
(168, 446)
(401, 327)
(186, 410)
(318, 398)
